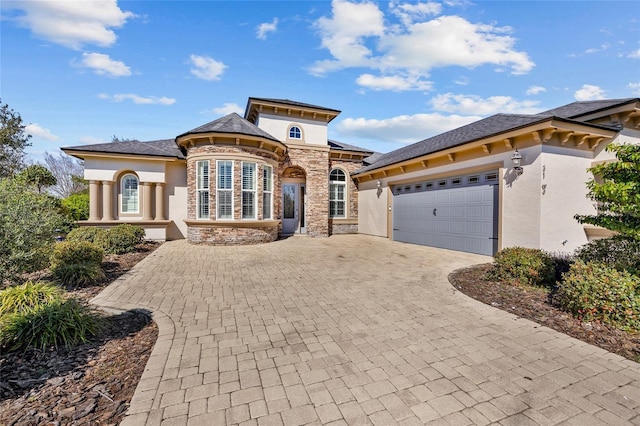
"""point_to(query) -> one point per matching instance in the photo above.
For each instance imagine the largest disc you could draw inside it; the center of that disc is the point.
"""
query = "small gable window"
(295, 132)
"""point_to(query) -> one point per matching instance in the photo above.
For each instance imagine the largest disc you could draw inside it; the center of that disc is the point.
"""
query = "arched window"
(130, 194)
(295, 132)
(337, 193)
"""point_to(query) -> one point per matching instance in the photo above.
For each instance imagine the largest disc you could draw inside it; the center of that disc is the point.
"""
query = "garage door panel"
(465, 218)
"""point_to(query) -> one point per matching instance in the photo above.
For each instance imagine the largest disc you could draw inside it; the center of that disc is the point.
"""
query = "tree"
(68, 172)
(38, 176)
(616, 189)
(13, 141)
(116, 139)
(29, 222)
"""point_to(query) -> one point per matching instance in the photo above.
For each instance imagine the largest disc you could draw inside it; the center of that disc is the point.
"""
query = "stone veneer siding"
(315, 164)
(224, 236)
(349, 167)
(228, 235)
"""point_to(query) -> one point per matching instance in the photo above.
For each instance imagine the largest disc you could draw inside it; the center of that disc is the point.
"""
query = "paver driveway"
(352, 330)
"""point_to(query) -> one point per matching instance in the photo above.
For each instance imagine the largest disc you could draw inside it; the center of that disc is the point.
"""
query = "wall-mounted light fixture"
(516, 159)
(378, 184)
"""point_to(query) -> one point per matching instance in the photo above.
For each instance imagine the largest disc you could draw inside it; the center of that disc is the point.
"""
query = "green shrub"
(70, 252)
(121, 239)
(27, 297)
(523, 266)
(79, 274)
(61, 322)
(28, 224)
(595, 292)
(85, 233)
(77, 263)
(76, 206)
(619, 252)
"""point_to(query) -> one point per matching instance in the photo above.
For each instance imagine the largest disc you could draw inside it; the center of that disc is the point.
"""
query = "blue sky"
(80, 72)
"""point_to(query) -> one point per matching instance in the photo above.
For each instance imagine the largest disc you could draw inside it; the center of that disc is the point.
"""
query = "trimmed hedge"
(594, 291)
(524, 266)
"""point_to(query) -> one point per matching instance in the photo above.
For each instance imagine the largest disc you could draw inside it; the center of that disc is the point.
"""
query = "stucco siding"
(372, 209)
(563, 195)
(314, 132)
(107, 169)
(176, 200)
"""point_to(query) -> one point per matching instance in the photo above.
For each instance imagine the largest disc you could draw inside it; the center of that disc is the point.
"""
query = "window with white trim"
(267, 192)
(295, 132)
(224, 189)
(202, 189)
(337, 193)
(249, 190)
(130, 192)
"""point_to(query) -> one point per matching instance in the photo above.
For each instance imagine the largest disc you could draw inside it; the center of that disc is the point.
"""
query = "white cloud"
(535, 90)
(343, 35)
(72, 23)
(90, 140)
(226, 109)
(602, 48)
(470, 104)
(462, 81)
(207, 68)
(40, 132)
(266, 28)
(396, 83)
(356, 36)
(589, 92)
(403, 128)
(635, 88)
(136, 99)
(634, 54)
(410, 12)
(103, 65)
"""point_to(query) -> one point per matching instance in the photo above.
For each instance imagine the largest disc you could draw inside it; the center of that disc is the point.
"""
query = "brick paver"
(352, 330)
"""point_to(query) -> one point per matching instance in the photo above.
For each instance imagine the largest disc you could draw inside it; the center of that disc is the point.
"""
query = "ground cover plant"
(91, 383)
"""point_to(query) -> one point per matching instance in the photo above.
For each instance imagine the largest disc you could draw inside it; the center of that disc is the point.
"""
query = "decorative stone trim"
(343, 226)
(222, 233)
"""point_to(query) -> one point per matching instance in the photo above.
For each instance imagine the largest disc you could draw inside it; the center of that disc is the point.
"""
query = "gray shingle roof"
(341, 146)
(159, 148)
(486, 127)
(233, 124)
(494, 125)
(577, 109)
(290, 102)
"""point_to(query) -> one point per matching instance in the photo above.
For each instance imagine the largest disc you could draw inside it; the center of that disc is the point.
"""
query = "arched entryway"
(293, 212)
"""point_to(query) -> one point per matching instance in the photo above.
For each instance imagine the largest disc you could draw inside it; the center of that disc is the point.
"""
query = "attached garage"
(456, 213)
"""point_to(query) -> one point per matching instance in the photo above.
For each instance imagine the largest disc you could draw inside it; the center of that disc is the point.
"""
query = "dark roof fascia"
(381, 163)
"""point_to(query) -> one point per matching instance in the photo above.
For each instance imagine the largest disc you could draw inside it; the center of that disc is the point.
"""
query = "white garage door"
(457, 213)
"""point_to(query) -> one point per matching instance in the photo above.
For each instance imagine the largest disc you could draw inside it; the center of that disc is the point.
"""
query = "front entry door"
(293, 208)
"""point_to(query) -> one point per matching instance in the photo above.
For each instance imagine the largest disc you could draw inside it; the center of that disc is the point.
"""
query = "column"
(159, 201)
(94, 200)
(107, 200)
(146, 201)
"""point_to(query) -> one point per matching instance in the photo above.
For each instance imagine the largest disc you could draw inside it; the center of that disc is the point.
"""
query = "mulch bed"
(90, 384)
(535, 304)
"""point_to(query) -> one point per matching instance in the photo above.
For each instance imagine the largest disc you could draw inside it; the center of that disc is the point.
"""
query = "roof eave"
(82, 154)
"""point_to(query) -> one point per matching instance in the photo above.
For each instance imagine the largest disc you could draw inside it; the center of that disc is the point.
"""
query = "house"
(235, 180)
(506, 180)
